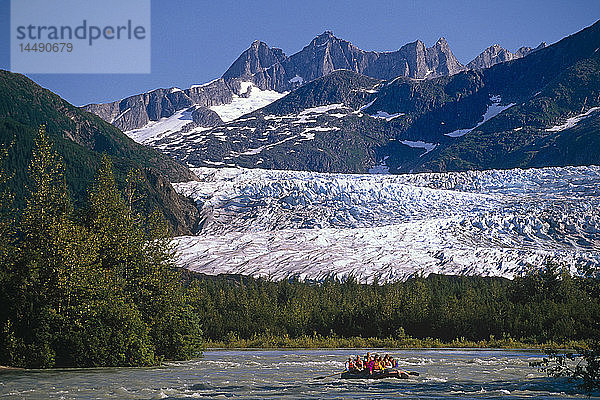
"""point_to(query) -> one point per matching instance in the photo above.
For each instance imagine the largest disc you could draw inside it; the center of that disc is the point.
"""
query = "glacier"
(384, 228)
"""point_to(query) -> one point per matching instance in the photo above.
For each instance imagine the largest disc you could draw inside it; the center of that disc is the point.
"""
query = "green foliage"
(100, 288)
(89, 289)
(545, 306)
(582, 365)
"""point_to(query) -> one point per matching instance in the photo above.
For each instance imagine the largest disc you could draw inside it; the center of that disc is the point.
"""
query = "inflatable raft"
(376, 374)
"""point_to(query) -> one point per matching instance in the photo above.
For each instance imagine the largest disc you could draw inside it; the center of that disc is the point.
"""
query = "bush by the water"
(91, 288)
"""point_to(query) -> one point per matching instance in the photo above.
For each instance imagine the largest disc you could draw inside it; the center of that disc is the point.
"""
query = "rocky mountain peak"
(439, 60)
(497, 54)
(442, 43)
(416, 44)
(256, 58)
(328, 34)
(492, 55)
(324, 38)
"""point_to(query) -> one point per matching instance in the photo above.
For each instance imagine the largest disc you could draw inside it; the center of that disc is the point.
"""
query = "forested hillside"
(81, 138)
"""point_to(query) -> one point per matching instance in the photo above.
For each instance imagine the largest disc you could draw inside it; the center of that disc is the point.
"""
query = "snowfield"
(492, 110)
(282, 224)
(252, 98)
(155, 130)
(573, 121)
(239, 106)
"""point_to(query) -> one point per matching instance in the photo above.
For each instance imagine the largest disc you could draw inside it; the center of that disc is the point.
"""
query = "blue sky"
(195, 41)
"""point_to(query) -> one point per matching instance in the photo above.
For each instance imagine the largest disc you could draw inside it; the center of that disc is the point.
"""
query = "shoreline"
(9, 368)
(407, 343)
(527, 349)
(213, 347)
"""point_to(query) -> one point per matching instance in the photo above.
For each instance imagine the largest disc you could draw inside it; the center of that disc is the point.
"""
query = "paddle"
(327, 376)
(413, 373)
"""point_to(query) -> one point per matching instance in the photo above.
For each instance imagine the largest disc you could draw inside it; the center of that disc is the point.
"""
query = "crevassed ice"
(280, 224)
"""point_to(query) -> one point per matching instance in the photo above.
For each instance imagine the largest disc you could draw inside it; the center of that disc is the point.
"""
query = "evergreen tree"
(136, 253)
(93, 291)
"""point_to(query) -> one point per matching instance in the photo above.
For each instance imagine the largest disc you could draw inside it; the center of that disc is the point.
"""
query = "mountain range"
(269, 68)
(496, 54)
(337, 109)
(334, 108)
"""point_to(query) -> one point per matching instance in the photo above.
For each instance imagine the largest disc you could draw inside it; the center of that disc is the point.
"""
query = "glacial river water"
(289, 374)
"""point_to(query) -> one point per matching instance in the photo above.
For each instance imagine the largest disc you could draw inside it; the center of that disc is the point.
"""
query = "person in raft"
(349, 365)
(375, 364)
(358, 363)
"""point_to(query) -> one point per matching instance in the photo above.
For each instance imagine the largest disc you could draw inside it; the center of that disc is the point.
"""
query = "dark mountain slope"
(81, 138)
(518, 79)
(529, 134)
(342, 86)
(317, 127)
(434, 116)
(347, 122)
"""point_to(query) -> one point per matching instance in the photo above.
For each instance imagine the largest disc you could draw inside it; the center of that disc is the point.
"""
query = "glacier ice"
(282, 224)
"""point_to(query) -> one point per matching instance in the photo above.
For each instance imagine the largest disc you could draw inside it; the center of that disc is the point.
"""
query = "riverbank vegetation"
(580, 364)
(266, 341)
(547, 307)
(87, 288)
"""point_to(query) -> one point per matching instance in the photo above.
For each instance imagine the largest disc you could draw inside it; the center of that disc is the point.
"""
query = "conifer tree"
(94, 291)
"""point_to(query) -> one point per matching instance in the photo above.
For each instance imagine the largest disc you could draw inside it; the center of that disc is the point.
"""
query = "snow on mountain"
(251, 98)
(241, 105)
(492, 110)
(240, 141)
(386, 116)
(571, 122)
(280, 224)
(297, 79)
(419, 144)
(156, 130)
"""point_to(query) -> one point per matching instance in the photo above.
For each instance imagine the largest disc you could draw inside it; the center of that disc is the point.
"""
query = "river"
(289, 374)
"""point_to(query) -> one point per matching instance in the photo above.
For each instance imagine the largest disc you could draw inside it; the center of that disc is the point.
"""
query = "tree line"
(546, 305)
